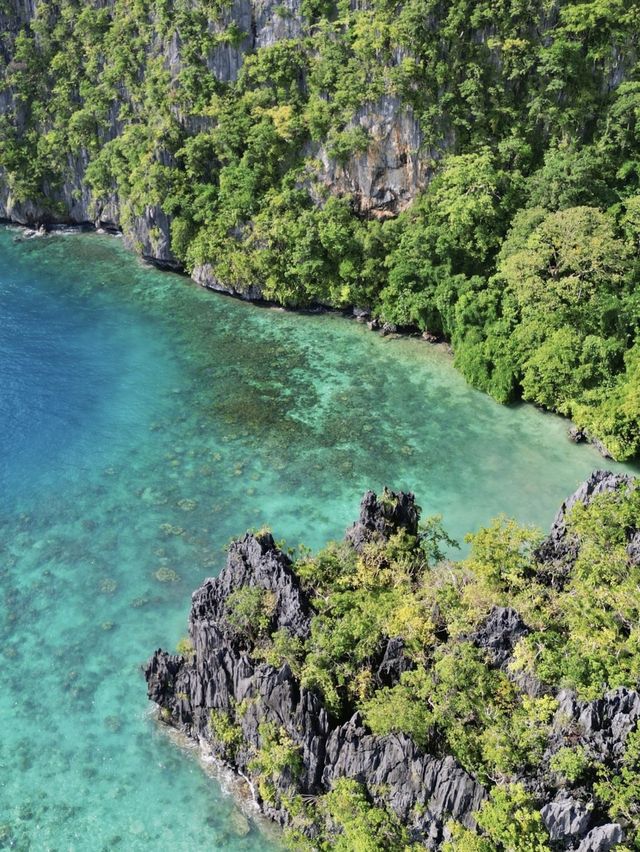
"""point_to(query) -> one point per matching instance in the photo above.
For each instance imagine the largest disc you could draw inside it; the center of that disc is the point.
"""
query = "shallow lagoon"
(143, 422)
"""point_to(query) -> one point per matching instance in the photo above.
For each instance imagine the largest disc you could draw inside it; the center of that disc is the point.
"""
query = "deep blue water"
(80, 378)
(143, 422)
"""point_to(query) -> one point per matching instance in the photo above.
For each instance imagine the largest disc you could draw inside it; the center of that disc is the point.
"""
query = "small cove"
(143, 422)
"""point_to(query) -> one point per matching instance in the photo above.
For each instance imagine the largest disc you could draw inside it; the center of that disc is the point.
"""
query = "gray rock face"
(568, 821)
(205, 276)
(599, 482)
(161, 675)
(150, 235)
(380, 519)
(273, 21)
(255, 562)
(602, 725)
(410, 778)
(600, 728)
(393, 664)
(565, 818)
(633, 548)
(559, 550)
(264, 22)
(225, 59)
(384, 178)
(576, 435)
(500, 633)
(602, 838)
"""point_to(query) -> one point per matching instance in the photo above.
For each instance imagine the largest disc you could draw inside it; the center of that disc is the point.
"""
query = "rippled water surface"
(143, 422)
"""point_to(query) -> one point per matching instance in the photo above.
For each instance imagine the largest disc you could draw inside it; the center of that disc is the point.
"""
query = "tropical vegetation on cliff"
(520, 662)
(522, 242)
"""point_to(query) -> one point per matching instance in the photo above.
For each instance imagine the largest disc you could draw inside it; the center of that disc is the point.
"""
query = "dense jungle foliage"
(523, 249)
(583, 635)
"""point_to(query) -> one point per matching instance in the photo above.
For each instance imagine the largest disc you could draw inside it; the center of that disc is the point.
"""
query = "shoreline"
(359, 315)
(246, 814)
(362, 316)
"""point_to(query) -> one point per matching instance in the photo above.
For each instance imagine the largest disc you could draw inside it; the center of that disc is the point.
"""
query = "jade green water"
(143, 422)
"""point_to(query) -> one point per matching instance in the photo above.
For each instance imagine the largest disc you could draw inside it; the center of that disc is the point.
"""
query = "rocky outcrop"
(221, 675)
(384, 178)
(499, 634)
(206, 277)
(600, 728)
(255, 562)
(224, 678)
(565, 818)
(599, 482)
(273, 21)
(633, 548)
(150, 235)
(559, 549)
(568, 823)
(421, 789)
(394, 663)
(602, 725)
(380, 519)
(602, 838)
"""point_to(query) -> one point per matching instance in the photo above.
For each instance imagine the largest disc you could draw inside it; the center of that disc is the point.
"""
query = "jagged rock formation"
(599, 482)
(425, 788)
(420, 788)
(380, 519)
(602, 725)
(203, 274)
(559, 550)
(500, 633)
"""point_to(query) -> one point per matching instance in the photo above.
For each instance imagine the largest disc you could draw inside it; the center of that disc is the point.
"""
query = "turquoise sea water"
(143, 422)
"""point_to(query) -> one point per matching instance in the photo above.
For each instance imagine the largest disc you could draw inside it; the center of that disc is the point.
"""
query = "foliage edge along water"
(243, 142)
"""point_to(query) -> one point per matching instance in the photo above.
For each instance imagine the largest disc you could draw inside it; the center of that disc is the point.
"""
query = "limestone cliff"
(383, 178)
(379, 144)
